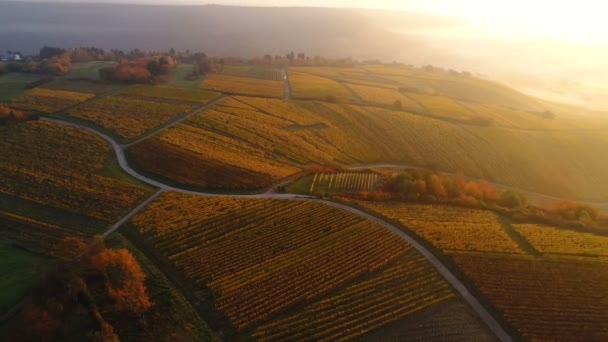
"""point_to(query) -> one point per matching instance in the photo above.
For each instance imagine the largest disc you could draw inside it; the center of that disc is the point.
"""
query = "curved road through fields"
(483, 314)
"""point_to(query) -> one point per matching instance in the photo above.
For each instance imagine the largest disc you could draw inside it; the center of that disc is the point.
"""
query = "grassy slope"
(18, 269)
(13, 84)
(88, 70)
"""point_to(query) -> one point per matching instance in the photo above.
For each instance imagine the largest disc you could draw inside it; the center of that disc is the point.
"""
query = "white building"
(11, 57)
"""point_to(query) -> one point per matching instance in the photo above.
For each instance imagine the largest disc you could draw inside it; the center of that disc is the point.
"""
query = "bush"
(512, 199)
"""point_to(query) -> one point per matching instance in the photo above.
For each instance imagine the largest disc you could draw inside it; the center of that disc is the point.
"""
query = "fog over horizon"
(556, 51)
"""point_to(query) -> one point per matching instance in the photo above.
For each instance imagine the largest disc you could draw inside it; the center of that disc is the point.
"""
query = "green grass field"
(19, 270)
(13, 84)
(88, 70)
(177, 78)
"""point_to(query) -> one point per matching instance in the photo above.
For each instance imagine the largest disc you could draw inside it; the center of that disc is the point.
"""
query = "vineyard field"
(169, 93)
(297, 133)
(185, 165)
(82, 86)
(205, 239)
(128, 117)
(61, 167)
(48, 101)
(400, 290)
(455, 86)
(545, 299)
(383, 96)
(448, 321)
(451, 228)
(357, 76)
(341, 182)
(443, 107)
(243, 86)
(260, 72)
(550, 240)
(309, 87)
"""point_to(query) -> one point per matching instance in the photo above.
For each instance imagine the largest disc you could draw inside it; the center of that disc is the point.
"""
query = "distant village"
(10, 56)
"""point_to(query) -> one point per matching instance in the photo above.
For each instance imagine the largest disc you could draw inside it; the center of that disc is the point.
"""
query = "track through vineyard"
(483, 314)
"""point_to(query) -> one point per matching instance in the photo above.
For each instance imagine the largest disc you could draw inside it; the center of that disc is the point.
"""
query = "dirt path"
(483, 314)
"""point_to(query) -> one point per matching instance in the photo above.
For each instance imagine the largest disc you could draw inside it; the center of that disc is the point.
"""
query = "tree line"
(425, 186)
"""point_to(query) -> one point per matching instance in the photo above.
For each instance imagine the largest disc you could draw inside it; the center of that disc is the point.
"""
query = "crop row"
(451, 228)
(405, 287)
(559, 241)
(33, 234)
(61, 167)
(243, 85)
(292, 256)
(545, 299)
(129, 117)
(353, 181)
(201, 157)
(170, 93)
(48, 101)
(264, 73)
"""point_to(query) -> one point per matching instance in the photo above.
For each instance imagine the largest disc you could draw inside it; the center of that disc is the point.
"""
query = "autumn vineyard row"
(293, 257)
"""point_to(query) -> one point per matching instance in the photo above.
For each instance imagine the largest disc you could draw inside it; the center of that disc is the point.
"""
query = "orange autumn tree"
(124, 279)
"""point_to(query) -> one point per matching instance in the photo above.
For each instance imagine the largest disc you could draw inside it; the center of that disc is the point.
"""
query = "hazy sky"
(580, 21)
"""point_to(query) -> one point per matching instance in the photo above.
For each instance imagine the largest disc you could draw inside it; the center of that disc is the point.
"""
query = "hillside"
(193, 177)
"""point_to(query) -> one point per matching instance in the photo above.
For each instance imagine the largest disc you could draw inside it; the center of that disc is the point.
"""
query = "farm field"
(212, 150)
(443, 107)
(47, 166)
(177, 77)
(82, 86)
(309, 87)
(13, 84)
(456, 86)
(340, 182)
(278, 131)
(448, 321)
(18, 269)
(551, 296)
(289, 244)
(450, 228)
(550, 240)
(243, 86)
(355, 75)
(520, 119)
(129, 117)
(88, 70)
(548, 299)
(48, 100)
(383, 96)
(260, 72)
(171, 93)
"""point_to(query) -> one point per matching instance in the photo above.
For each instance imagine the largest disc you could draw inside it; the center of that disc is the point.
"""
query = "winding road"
(456, 284)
